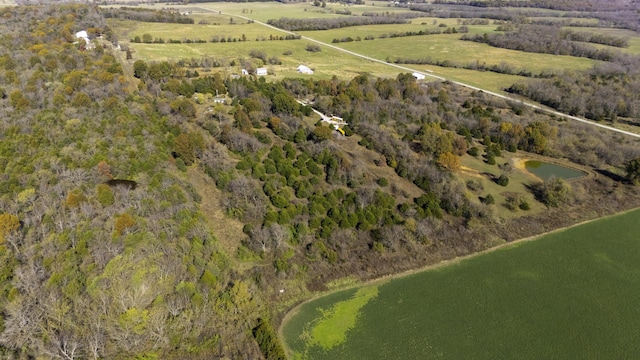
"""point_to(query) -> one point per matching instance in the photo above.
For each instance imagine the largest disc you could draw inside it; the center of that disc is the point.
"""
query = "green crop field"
(572, 294)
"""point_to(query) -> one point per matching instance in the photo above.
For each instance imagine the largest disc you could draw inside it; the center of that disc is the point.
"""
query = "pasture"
(448, 47)
(329, 62)
(568, 294)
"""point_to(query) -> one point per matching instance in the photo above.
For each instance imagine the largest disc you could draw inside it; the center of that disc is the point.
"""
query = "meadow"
(568, 294)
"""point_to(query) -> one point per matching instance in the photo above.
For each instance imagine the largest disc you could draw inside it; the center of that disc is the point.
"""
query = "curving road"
(427, 73)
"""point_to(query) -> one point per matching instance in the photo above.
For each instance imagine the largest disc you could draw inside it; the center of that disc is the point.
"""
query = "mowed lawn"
(573, 294)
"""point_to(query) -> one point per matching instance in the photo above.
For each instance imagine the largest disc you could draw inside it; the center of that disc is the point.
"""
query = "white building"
(83, 35)
(261, 71)
(418, 76)
(303, 69)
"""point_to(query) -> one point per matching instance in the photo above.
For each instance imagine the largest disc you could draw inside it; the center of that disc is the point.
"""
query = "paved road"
(404, 68)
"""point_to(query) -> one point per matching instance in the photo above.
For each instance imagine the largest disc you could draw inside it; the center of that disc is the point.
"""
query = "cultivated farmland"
(570, 294)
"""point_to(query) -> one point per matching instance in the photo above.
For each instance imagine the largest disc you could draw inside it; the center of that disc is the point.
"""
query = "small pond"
(545, 170)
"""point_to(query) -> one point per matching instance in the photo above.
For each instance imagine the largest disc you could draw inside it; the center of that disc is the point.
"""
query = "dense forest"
(107, 248)
(93, 268)
(608, 91)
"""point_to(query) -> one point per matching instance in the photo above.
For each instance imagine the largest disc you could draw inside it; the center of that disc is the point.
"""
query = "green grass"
(572, 294)
(331, 329)
(449, 47)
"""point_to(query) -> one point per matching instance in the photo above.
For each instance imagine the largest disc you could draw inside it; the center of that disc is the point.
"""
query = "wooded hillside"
(109, 198)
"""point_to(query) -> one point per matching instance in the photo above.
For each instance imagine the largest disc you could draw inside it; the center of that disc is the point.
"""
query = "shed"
(303, 69)
(418, 76)
(261, 71)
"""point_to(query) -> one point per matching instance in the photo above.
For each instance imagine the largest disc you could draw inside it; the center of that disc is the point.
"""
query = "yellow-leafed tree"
(8, 223)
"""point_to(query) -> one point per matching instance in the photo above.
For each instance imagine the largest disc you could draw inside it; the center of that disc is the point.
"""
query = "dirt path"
(127, 69)
(227, 230)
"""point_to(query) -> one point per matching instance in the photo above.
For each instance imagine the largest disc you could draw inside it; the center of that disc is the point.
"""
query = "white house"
(303, 69)
(418, 76)
(84, 36)
(244, 72)
(261, 71)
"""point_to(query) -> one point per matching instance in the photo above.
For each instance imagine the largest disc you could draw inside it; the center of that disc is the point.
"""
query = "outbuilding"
(303, 69)
(261, 71)
(418, 76)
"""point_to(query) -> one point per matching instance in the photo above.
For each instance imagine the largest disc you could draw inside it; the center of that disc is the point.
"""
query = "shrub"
(313, 48)
(475, 186)
(488, 200)
(474, 151)
(105, 195)
(382, 181)
(503, 180)
(124, 222)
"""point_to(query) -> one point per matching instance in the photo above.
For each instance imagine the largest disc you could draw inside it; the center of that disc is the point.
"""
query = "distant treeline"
(617, 13)
(148, 39)
(564, 5)
(595, 38)
(501, 68)
(449, 30)
(544, 40)
(335, 23)
(146, 15)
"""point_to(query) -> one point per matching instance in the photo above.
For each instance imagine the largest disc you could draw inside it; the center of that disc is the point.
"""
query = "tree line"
(334, 23)
(543, 39)
(149, 39)
(618, 13)
(146, 15)
(500, 68)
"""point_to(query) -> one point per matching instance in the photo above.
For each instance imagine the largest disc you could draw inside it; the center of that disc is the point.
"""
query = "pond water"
(545, 170)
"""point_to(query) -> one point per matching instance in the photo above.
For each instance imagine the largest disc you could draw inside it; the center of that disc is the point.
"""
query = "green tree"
(633, 171)
(503, 180)
(321, 133)
(140, 69)
(188, 147)
(184, 107)
(105, 195)
(554, 192)
(147, 38)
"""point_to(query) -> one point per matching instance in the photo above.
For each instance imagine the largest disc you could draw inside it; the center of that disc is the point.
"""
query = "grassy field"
(448, 47)
(567, 295)
(331, 62)
(479, 171)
